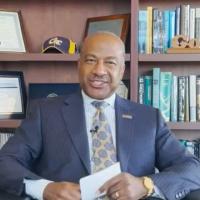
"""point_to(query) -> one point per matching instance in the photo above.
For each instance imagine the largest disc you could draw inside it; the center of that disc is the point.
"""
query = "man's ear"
(122, 70)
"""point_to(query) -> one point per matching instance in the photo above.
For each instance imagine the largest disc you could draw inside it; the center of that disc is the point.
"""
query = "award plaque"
(11, 34)
(12, 95)
(117, 24)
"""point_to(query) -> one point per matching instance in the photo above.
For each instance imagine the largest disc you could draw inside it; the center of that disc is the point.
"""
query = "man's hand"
(124, 187)
(62, 191)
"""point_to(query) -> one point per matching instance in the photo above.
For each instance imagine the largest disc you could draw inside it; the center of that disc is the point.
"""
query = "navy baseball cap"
(59, 44)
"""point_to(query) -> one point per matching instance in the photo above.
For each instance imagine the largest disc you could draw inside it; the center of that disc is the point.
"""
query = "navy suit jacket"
(52, 143)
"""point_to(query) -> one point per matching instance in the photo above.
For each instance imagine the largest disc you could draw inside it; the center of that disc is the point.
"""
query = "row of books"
(4, 136)
(158, 27)
(177, 97)
(193, 146)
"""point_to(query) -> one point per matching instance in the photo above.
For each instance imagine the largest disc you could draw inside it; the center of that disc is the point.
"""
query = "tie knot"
(99, 104)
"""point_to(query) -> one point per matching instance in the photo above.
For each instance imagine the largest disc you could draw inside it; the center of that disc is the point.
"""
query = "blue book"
(172, 23)
(166, 17)
(156, 88)
(142, 31)
(178, 20)
(165, 93)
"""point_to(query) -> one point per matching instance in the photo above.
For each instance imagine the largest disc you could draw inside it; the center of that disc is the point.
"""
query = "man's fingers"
(110, 183)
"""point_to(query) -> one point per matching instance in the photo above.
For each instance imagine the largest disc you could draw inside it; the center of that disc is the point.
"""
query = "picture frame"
(11, 32)
(49, 90)
(12, 95)
(117, 24)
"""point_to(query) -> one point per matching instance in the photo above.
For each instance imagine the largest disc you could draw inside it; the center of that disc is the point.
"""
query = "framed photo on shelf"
(12, 95)
(49, 90)
(118, 24)
(11, 32)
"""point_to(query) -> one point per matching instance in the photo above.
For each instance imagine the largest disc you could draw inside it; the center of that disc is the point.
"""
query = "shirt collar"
(88, 100)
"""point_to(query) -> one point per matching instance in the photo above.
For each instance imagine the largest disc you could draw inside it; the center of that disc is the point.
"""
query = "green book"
(165, 94)
(148, 90)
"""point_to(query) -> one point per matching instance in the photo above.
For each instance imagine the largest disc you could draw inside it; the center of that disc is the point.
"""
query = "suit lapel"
(124, 131)
(73, 112)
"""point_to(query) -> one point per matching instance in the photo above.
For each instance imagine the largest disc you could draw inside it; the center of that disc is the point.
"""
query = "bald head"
(103, 37)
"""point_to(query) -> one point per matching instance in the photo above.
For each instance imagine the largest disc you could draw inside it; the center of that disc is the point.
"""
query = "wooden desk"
(5, 196)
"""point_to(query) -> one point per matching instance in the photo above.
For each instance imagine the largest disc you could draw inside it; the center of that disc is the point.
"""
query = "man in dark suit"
(53, 147)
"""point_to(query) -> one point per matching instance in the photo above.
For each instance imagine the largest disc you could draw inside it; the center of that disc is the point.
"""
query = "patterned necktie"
(103, 150)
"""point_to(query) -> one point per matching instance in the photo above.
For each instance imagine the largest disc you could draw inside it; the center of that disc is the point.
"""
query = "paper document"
(90, 184)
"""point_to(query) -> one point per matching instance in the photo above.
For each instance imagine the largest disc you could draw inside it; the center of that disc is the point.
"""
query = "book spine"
(4, 137)
(187, 113)
(142, 33)
(197, 23)
(155, 31)
(156, 87)
(174, 99)
(166, 20)
(198, 97)
(172, 23)
(181, 98)
(141, 89)
(148, 90)
(185, 12)
(192, 23)
(192, 97)
(177, 27)
(165, 92)
(149, 29)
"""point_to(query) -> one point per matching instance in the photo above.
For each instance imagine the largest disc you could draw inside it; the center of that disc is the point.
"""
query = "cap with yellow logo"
(59, 44)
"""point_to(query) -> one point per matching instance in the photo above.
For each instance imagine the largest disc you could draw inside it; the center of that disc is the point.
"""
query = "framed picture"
(12, 95)
(11, 32)
(49, 90)
(118, 24)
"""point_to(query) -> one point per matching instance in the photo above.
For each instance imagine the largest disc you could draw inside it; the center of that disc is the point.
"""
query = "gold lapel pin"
(127, 116)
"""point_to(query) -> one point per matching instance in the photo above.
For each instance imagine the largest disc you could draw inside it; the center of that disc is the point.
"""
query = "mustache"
(103, 78)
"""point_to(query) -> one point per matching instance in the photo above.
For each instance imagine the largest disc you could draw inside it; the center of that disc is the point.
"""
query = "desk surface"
(5, 196)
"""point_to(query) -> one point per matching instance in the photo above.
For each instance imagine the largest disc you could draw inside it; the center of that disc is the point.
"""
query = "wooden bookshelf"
(193, 126)
(169, 58)
(14, 123)
(180, 64)
(42, 20)
(59, 68)
(39, 57)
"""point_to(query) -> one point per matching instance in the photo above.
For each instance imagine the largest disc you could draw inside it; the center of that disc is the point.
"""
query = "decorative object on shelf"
(12, 95)
(49, 90)
(59, 44)
(181, 44)
(122, 90)
(11, 32)
(118, 24)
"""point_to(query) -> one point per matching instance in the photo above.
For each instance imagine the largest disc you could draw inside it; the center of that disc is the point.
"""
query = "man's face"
(101, 66)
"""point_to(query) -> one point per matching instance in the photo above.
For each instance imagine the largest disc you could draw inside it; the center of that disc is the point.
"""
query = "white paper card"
(90, 184)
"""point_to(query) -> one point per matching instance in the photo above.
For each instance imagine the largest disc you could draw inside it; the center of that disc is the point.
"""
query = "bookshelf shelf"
(169, 58)
(195, 126)
(12, 123)
(31, 57)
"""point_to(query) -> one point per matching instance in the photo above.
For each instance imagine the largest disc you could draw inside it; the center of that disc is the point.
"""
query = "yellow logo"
(55, 41)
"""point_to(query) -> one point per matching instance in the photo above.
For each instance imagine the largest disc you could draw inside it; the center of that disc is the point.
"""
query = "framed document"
(11, 34)
(12, 95)
(118, 24)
